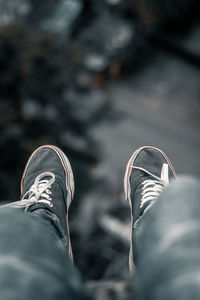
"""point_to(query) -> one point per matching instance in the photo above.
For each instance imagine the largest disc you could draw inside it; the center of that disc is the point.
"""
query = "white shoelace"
(38, 193)
(40, 189)
(152, 188)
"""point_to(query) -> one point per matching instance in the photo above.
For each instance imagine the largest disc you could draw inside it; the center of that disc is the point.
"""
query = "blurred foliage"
(39, 104)
(174, 15)
(45, 98)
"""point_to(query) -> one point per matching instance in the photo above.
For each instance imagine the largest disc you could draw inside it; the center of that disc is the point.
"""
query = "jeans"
(34, 262)
(167, 244)
(33, 258)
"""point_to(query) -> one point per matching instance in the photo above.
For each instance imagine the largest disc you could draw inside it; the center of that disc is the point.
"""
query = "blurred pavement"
(159, 107)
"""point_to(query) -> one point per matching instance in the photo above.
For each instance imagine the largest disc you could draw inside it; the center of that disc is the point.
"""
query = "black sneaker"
(148, 171)
(48, 182)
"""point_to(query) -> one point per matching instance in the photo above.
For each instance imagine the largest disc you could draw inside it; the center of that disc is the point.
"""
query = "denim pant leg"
(168, 244)
(33, 258)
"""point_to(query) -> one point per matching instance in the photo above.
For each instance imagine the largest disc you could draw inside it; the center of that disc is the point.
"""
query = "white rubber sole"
(127, 191)
(69, 183)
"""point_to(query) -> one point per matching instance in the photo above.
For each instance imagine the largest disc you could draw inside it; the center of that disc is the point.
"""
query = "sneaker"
(48, 182)
(148, 172)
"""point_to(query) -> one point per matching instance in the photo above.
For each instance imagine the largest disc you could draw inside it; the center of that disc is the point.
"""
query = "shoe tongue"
(46, 178)
(165, 174)
(137, 210)
(43, 183)
(146, 204)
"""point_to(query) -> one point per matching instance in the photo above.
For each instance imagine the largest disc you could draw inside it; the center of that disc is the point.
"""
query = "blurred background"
(98, 79)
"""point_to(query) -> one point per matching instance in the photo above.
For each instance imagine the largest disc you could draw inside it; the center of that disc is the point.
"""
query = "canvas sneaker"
(48, 182)
(148, 172)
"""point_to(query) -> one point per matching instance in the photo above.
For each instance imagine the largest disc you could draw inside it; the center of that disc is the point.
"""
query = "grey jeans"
(34, 263)
(33, 258)
(168, 244)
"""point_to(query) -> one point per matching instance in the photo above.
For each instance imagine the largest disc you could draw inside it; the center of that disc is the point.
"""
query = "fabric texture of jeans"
(33, 258)
(34, 262)
(167, 244)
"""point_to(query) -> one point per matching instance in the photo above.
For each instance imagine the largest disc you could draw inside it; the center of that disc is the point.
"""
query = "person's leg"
(34, 263)
(168, 244)
(35, 248)
(165, 238)
(148, 172)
